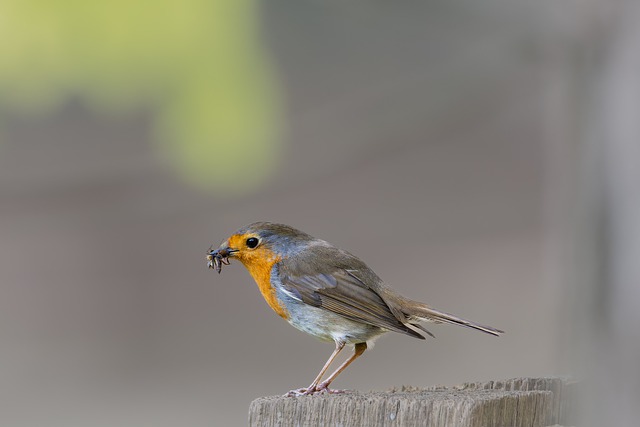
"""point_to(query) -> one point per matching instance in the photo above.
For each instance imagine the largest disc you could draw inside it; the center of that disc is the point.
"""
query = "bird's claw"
(296, 393)
(309, 391)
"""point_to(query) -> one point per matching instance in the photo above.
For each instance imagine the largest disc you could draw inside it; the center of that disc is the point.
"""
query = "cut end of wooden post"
(515, 402)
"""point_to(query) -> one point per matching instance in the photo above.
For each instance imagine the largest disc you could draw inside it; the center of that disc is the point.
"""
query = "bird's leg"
(314, 385)
(324, 386)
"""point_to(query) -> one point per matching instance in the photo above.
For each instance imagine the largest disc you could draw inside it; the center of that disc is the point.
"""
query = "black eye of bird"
(252, 242)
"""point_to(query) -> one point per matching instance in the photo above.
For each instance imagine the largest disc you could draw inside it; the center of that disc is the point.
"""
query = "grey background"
(429, 139)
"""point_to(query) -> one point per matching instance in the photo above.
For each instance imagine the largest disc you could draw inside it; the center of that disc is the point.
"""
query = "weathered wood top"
(516, 402)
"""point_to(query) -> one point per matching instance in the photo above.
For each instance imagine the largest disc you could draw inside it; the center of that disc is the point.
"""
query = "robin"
(326, 292)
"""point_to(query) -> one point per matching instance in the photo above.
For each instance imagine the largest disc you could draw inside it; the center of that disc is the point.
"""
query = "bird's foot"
(323, 388)
(296, 393)
(319, 389)
(331, 391)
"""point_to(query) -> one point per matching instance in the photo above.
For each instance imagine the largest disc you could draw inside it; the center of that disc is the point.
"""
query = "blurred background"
(481, 157)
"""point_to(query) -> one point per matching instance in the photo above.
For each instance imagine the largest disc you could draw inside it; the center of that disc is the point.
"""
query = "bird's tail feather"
(424, 312)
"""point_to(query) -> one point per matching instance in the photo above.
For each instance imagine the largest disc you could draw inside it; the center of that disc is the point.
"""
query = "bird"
(326, 292)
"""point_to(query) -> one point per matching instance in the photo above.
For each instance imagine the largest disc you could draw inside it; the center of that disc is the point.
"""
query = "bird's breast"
(262, 274)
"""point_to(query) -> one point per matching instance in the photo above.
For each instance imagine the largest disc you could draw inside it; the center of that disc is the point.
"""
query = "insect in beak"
(216, 259)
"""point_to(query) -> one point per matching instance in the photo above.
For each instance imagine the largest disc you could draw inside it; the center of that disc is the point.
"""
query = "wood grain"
(520, 402)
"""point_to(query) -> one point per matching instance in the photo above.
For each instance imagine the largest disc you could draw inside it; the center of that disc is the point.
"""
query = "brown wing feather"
(344, 294)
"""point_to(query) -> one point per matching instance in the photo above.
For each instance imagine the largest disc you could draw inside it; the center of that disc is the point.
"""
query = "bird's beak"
(216, 258)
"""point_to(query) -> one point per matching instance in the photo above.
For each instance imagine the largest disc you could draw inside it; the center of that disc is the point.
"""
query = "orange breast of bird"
(260, 263)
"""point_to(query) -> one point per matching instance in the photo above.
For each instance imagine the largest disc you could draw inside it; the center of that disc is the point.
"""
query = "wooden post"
(529, 402)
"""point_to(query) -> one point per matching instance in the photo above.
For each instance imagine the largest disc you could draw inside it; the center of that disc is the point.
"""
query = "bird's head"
(258, 243)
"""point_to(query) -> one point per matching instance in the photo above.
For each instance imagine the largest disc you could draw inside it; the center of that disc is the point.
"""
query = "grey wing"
(343, 293)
